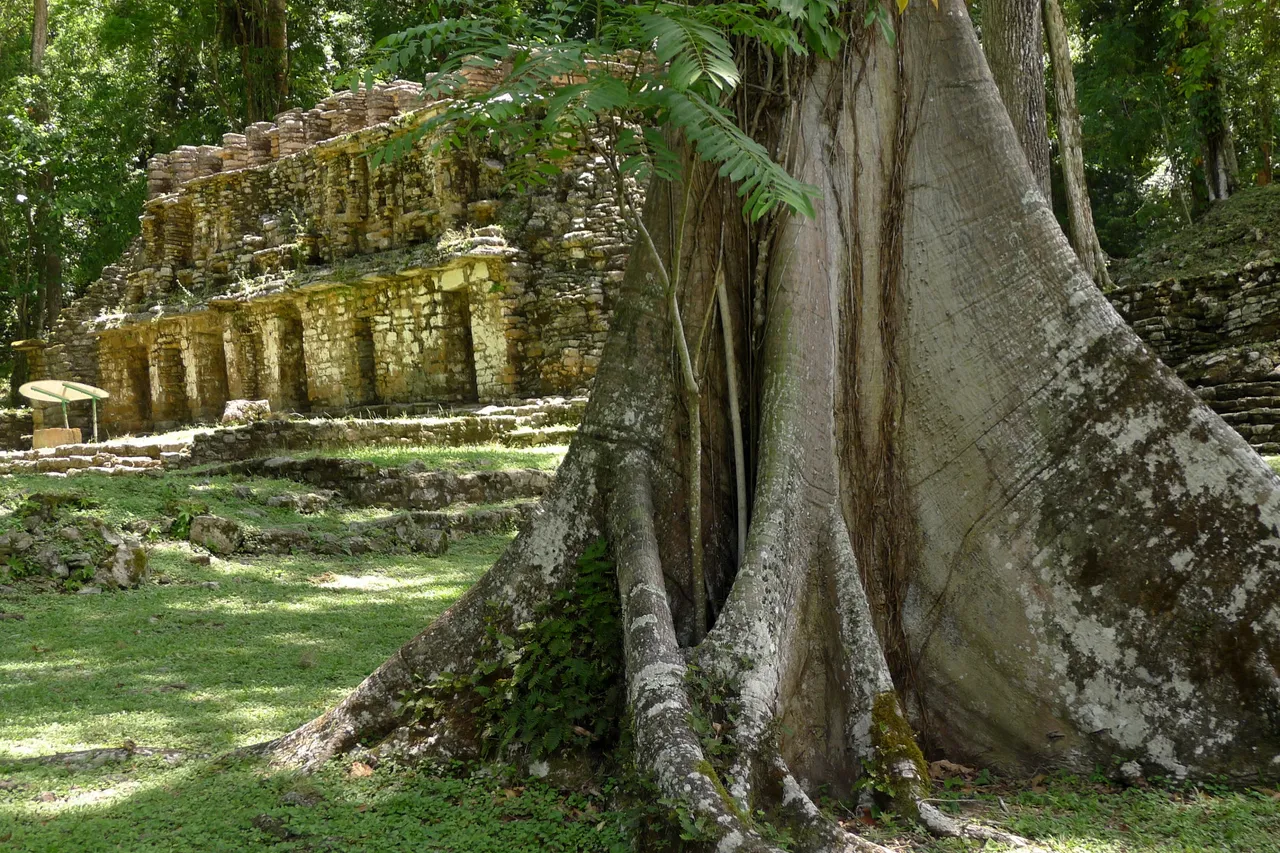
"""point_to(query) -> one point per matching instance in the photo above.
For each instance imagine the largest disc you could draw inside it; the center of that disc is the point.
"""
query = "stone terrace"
(538, 422)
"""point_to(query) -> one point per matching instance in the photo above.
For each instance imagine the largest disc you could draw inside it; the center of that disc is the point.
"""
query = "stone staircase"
(1221, 334)
(1251, 409)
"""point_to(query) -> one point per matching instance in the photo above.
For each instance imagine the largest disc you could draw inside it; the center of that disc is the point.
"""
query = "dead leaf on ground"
(943, 769)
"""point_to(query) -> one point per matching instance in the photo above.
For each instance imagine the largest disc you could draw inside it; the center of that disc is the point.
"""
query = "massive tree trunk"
(1084, 238)
(1012, 38)
(979, 503)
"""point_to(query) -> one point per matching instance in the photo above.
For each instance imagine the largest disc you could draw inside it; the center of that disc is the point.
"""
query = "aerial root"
(818, 832)
(943, 826)
(666, 745)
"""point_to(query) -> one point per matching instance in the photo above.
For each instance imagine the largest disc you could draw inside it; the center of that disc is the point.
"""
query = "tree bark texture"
(979, 506)
(1013, 40)
(1084, 238)
(39, 34)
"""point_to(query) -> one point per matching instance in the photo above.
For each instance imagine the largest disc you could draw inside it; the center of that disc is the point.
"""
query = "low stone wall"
(413, 532)
(553, 422)
(1221, 334)
(366, 484)
(15, 429)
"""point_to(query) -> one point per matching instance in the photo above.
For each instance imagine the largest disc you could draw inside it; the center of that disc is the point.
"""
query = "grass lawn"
(1068, 814)
(186, 666)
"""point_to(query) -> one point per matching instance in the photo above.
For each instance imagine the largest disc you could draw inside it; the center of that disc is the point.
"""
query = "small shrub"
(184, 512)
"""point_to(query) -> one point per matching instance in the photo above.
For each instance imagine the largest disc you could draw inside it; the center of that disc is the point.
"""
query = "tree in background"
(1178, 103)
(1084, 236)
(98, 86)
(259, 31)
(1013, 41)
(1013, 38)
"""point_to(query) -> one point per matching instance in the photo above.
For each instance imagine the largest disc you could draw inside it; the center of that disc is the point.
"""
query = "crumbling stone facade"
(1221, 334)
(278, 266)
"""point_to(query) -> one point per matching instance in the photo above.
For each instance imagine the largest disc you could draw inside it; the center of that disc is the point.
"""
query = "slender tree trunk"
(1217, 172)
(38, 310)
(1012, 38)
(1084, 237)
(1209, 107)
(1266, 123)
(259, 30)
(277, 42)
(39, 35)
(978, 499)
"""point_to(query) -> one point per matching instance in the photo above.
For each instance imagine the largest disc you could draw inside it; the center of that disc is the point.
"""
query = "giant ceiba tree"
(974, 504)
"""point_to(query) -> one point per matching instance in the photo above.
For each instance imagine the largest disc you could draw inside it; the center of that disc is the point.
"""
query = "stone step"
(1255, 417)
(405, 487)
(1244, 404)
(559, 434)
(1235, 390)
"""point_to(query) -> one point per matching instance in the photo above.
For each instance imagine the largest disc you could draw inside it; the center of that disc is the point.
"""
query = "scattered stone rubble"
(56, 544)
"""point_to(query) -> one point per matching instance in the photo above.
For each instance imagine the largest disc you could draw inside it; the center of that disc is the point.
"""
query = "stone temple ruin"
(279, 266)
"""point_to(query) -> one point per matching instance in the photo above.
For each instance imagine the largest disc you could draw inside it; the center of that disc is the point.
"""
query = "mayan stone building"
(279, 266)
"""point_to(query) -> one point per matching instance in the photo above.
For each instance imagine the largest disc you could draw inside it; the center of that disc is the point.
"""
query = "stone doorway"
(366, 362)
(168, 381)
(137, 385)
(459, 349)
(288, 362)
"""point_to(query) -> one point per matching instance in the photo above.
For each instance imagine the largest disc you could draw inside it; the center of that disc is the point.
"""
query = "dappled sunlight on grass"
(152, 805)
(182, 665)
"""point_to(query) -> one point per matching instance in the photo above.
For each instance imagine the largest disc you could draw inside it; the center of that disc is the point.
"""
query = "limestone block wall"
(1221, 334)
(15, 426)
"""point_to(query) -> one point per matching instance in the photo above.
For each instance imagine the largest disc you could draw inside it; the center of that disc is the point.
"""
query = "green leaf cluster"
(553, 682)
(623, 79)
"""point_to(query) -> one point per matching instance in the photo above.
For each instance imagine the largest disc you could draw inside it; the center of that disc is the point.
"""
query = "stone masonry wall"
(15, 426)
(1221, 334)
(278, 266)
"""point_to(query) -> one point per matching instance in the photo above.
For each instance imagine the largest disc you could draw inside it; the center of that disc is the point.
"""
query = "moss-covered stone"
(900, 767)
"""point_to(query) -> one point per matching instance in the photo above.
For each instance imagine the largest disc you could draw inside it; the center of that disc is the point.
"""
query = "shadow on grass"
(152, 806)
(186, 666)
(1071, 815)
